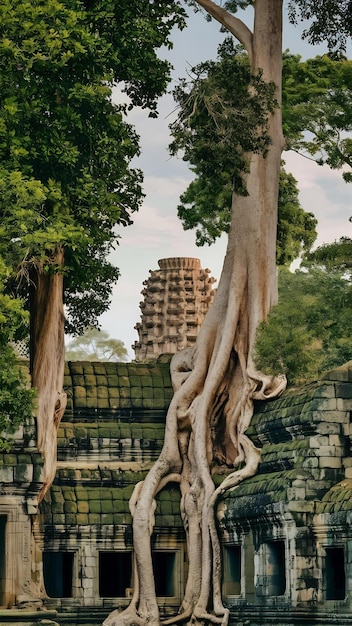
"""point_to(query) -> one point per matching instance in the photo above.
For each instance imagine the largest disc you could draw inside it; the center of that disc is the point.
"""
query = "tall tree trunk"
(48, 360)
(216, 382)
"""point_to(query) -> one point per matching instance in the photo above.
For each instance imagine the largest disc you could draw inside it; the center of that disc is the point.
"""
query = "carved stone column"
(176, 298)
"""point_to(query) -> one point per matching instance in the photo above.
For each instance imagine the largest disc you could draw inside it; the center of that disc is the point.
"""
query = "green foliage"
(96, 345)
(330, 21)
(309, 330)
(216, 129)
(337, 254)
(16, 400)
(61, 132)
(317, 109)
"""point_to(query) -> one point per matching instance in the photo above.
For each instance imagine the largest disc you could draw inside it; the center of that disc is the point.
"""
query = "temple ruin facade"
(286, 533)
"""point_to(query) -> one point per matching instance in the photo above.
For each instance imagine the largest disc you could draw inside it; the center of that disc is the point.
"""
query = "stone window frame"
(178, 573)
(75, 557)
(263, 578)
(344, 549)
(226, 567)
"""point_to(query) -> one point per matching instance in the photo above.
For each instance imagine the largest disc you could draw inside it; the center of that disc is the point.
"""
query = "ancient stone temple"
(176, 299)
(286, 532)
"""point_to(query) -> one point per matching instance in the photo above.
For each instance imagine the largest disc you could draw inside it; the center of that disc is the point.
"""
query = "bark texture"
(48, 361)
(215, 383)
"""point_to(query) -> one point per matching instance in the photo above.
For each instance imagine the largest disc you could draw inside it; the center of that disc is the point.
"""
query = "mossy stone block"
(103, 403)
(137, 403)
(114, 392)
(107, 506)
(57, 507)
(82, 519)
(70, 519)
(81, 493)
(158, 381)
(147, 381)
(94, 493)
(135, 381)
(147, 392)
(95, 506)
(58, 519)
(119, 506)
(94, 519)
(107, 518)
(125, 392)
(10, 459)
(82, 507)
(90, 380)
(70, 507)
(113, 381)
(102, 392)
(24, 459)
(78, 381)
(69, 494)
(168, 521)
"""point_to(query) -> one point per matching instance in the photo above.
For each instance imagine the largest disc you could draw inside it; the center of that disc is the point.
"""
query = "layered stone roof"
(112, 431)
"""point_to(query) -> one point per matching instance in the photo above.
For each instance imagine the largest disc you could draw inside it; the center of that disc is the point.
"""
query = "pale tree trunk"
(48, 360)
(216, 382)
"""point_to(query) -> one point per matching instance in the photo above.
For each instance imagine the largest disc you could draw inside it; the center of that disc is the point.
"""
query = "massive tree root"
(215, 385)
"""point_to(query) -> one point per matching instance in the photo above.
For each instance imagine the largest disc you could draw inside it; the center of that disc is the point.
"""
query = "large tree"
(95, 345)
(214, 128)
(308, 331)
(59, 129)
(216, 382)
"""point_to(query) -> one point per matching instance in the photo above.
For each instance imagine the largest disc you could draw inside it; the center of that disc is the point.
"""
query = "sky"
(157, 232)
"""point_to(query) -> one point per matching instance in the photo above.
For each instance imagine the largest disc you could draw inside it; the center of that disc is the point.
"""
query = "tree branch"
(233, 24)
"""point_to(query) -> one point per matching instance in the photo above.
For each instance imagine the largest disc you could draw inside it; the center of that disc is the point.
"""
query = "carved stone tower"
(176, 299)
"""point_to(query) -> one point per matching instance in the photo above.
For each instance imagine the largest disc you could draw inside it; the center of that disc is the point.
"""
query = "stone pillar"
(177, 297)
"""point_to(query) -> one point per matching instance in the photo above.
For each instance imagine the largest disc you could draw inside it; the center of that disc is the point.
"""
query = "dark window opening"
(232, 571)
(2, 559)
(164, 573)
(335, 574)
(276, 568)
(115, 574)
(58, 572)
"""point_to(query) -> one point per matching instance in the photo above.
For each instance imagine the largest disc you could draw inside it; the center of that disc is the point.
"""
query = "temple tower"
(176, 299)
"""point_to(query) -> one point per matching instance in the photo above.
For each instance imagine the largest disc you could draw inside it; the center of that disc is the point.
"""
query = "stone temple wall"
(286, 532)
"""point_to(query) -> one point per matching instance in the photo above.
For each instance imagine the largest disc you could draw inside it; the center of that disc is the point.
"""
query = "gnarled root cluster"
(205, 426)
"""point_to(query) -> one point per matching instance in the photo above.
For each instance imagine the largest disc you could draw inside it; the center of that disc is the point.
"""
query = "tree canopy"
(16, 399)
(308, 331)
(95, 345)
(66, 151)
(60, 127)
(219, 121)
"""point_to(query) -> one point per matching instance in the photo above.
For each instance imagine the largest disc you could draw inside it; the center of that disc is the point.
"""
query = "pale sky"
(157, 232)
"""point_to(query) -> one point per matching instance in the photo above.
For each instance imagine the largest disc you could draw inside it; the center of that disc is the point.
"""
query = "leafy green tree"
(308, 331)
(337, 255)
(61, 133)
(96, 345)
(218, 122)
(317, 109)
(16, 399)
